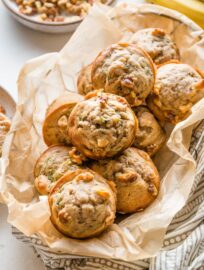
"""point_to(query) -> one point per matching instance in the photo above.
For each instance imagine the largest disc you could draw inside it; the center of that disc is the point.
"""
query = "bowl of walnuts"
(51, 16)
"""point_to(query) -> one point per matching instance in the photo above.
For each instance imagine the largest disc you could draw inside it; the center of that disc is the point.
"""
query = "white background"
(18, 44)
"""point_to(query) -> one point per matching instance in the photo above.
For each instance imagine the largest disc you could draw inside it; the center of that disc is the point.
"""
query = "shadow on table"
(45, 41)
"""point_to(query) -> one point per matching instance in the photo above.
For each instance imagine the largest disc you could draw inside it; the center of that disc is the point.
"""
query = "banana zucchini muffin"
(136, 177)
(102, 125)
(125, 70)
(56, 119)
(178, 87)
(157, 43)
(150, 136)
(53, 163)
(84, 83)
(82, 204)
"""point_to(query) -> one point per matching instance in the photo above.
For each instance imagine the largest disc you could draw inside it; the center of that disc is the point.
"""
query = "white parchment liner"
(42, 80)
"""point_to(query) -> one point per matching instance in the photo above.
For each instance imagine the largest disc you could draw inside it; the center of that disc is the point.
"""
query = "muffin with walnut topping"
(150, 136)
(136, 177)
(125, 70)
(82, 204)
(157, 43)
(102, 125)
(177, 88)
(53, 163)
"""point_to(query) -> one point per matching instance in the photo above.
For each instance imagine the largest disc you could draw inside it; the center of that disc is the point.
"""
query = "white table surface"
(18, 44)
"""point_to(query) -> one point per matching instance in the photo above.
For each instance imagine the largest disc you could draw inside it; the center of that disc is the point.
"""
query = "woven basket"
(183, 244)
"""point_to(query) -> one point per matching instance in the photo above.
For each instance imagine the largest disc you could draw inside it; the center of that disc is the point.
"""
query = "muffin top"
(125, 70)
(150, 136)
(136, 178)
(54, 163)
(178, 86)
(102, 125)
(132, 165)
(84, 83)
(157, 43)
(82, 204)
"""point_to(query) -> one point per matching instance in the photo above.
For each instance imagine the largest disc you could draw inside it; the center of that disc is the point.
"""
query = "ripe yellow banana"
(194, 9)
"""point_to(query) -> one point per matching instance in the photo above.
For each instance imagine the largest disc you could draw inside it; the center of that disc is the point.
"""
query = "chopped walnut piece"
(152, 189)
(76, 156)
(86, 177)
(103, 194)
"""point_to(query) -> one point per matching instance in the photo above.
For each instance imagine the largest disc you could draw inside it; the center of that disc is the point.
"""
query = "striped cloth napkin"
(183, 246)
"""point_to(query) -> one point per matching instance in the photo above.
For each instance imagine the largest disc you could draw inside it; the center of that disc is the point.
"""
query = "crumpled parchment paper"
(42, 80)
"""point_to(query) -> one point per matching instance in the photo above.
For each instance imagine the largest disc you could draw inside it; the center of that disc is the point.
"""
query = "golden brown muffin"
(157, 43)
(125, 70)
(53, 163)
(102, 125)
(84, 83)
(82, 204)
(178, 87)
(150, 136)
(56, 119)
(136, 177)
(5, 124)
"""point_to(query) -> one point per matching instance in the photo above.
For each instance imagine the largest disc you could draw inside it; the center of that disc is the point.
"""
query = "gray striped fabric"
(183, 247)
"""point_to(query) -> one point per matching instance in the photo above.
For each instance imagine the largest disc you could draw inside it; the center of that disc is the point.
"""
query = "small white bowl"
(48, 27)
